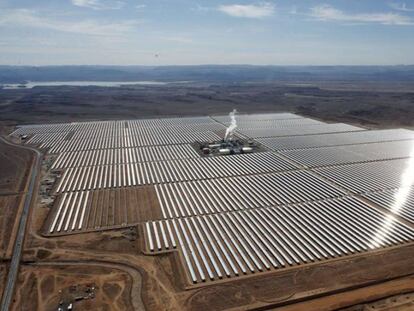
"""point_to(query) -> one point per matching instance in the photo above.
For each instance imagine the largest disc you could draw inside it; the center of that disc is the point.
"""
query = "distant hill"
(206, 73)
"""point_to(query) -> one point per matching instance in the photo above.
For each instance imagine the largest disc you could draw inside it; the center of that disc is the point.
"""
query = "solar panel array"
(399, 201)
(351, 153)
(335, 139)
(297, 130)
(237, 243)
(243, 192)
(258, 117)
(243, 125)
(370, 176)
(122, 156)
(144, 173)
(320, 191)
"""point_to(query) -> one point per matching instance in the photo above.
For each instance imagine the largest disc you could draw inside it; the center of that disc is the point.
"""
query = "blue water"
(32, 84)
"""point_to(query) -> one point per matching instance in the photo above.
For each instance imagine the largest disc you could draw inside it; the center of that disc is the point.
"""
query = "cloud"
(99, 4)
(401, 7)
(140, 6)
(261, 10)
(30, 18)
(328, 13)
(178, 39)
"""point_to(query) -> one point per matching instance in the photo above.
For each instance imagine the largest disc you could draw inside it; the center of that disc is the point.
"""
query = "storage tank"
(247, 149)
(224, 151)
(214, 145)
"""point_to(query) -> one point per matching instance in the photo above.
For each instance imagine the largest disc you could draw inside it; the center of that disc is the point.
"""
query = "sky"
(191, 32)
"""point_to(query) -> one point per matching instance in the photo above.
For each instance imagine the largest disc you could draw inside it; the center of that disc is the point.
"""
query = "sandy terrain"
(43, 287)
(3, 274)
(14, 164)
(9, 209)
(395, 303)
(358, 102)
(398, 293)
(14, 169)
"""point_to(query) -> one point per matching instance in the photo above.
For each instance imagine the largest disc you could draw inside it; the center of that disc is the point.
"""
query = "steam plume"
(233, 125)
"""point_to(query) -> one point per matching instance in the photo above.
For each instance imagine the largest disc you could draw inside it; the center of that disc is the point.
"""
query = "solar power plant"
(310, 192)
(335, 139)
(370, 176)
(399, 201)
(237, 243)
(351, 153)
(259, 117)
(296, 130)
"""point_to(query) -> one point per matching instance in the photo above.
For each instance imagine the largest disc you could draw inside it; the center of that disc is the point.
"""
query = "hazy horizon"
(206, 65)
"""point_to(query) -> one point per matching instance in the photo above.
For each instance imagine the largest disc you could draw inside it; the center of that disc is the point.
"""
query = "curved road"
(18, 244)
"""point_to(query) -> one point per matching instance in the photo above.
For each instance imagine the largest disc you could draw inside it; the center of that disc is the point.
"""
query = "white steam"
(233, 125)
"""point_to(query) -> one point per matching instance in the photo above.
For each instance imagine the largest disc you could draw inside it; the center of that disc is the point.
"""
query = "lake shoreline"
(32, 84)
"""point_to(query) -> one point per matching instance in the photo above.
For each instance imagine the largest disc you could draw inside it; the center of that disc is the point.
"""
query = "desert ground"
(3, 274)
(375, 104)
(15, 166)
(52, 284)
(57, 268)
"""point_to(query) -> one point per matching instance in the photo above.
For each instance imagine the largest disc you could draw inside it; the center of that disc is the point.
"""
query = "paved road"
(18, 244)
